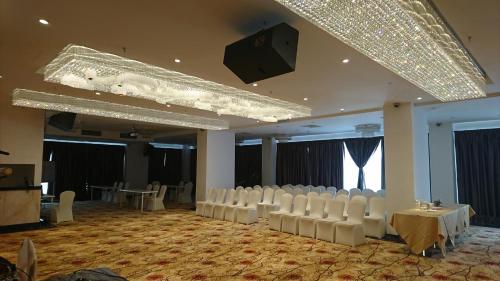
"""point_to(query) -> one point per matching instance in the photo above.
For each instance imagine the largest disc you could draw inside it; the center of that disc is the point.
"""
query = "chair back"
(286, 203)
(326, 195)
(120, 185)
(336, 209)
(149, 187)
(265, 186)
(368, 192)
(342, 191)
(287, 189)
(299, 205)
(305, 189)
(332, 190)
(188, 187)
(248, 188)
(344, 198)
(127, 185)
(243, 198)
(296, 191)
(212, 195)
(277, 196)
(254, 198)
(360, 198)
(156, 188)
(268, 196)
(220, 196)
(381, 192)
(115, 184)
(353, 192)
(161, 194)
(321, 189)
(66, 200)
(239, 187)
(356, 211)
(309, 195)
(256, 186)
(299, 186)
(317, 207)
(27, 260)
(377, 207)
(230, 197)
(275, 187)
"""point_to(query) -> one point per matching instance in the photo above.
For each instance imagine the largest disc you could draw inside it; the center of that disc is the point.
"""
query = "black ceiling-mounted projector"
(63, 121)
(267, 53)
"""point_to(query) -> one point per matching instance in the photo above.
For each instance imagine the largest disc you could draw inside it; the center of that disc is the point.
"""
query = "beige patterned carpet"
(177, 245)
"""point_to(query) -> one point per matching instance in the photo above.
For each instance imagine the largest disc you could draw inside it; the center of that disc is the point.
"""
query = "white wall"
(136, 165)
(442, 162)
(269, 152)
(215, 161)
(421, 155)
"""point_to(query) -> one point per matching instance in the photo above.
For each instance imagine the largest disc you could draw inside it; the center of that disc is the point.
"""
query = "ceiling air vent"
(311, 126)
(367, 130)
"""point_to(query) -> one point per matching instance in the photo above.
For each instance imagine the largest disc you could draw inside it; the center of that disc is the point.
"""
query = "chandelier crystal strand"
(406, 36)
(40, 100)
(85, 68)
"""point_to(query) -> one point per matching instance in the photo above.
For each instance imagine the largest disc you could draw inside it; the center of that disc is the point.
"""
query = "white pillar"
(442, 162)
(215, 161)
(186, 163)
(136, 165)
(269, 149)
(406, 157)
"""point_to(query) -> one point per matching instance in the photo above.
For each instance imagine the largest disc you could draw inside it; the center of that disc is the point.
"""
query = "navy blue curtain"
(165, 165)
(478, 173)
(80, 164)
(248, 165)
(361, 149)
(292, 165)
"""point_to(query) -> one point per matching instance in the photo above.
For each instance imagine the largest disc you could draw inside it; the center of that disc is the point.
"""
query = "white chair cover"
(375, 222)
(332, 190)
(248, 214)
(185, 196)
(220, 195)
(309, 195)
(307, 224)
(275, 205)
(285, 207)
(381, 192)
(219, 210)
(230, 211)
(289, 222)
(266, 200)
(325, 228)
(64, 211)
(342, 192)
(155, 203)
(353, 192)
(352, 231)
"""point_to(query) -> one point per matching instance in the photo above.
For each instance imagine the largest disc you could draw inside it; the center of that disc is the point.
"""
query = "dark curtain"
(79, 165)
(313, 162)
(292, 164)
(361, 149)
(326, 162)
(478, 173)
(248, 165)
(193, 173)
(165, 165)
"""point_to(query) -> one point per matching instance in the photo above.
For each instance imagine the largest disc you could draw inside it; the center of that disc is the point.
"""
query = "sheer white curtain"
(372, 170)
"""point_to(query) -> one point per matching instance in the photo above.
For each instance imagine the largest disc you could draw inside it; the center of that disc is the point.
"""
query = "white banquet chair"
(316, 189)
(342, 192)
(155, 202)
(230, 211)
(185, 195)
(325, 228)
(309, 195)
(307, 224)
(248, 214)
(327, 196)
(375, 222)
(219, 209)
(238, 189)
(381, 192)
(290, 222)
(220, 195)
(360, 198)
(345, 199)
(275, 187)
(285, 208)
(267, 200)
(257, 186)
(64, 210)
(353, 192)
(332, 190)
(352, 232)
(200, 205)
(248, 188)
(321, 189)
(275, 205)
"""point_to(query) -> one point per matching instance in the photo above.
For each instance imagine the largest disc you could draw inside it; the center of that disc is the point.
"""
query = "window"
(372, 170)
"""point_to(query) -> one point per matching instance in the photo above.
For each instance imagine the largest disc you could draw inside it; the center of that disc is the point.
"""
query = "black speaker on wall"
(63, 121)
(268, 53)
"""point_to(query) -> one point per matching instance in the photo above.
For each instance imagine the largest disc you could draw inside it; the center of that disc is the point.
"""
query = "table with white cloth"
(140, 192)
(421, 229)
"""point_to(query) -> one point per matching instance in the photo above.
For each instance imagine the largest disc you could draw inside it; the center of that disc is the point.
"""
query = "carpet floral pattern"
(177, 245)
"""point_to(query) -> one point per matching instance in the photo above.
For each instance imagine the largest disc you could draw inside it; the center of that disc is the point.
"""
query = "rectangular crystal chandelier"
(406, 36)
(85, 68)
(34, 99)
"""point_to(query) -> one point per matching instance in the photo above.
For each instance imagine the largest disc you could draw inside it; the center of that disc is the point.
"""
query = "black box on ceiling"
(63, 121)
(268, 53)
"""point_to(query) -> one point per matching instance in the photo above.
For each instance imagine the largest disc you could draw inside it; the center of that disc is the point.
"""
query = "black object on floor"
(26, 226)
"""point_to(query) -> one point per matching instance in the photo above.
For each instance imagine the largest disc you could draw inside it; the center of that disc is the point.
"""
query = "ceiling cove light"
(34, 99)
(43, 21)
(406, 36)
(85, 68)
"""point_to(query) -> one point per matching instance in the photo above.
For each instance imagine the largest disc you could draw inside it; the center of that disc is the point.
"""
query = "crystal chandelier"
(406, 36)
(34, 99)
(85, 68)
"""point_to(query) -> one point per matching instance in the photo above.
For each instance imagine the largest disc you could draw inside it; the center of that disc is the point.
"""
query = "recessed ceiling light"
(168, 105)
(97, 93)
(1, 76)
(342, 109)
(306, 99)
(255, 84)
(258, 121)
(419, 98)
(345, 60)
(177, 60)
(43, 21)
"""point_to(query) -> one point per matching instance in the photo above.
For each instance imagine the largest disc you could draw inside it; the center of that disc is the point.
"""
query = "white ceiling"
(196, 31)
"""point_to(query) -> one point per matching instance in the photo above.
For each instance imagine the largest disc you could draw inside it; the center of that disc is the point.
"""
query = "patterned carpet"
(177, 245)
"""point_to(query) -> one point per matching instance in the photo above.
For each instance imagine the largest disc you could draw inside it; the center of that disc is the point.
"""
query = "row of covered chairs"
(326, 219)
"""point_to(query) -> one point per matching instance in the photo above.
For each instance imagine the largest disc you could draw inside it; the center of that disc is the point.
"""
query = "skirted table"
(421, 229)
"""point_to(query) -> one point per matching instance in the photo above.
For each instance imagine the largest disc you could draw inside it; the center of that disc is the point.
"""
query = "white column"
(406, 167)
(269, 149)
(186, 163)
(136, 165)
(442, 162)
(215, 161)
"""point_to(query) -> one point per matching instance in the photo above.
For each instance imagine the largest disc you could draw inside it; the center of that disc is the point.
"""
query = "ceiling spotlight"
(43, 21)
(255, 84)
(306, 99)
(342, 109)
(97, 93)
(177, 60)
(345, 60)
(1, 76)
(258, 121)
(168, 105)
(419, 98)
